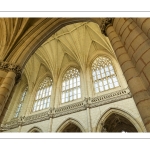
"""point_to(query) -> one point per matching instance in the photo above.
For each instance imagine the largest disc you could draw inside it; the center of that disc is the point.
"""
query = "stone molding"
(105, 23)
(6, 66)
(69, 109)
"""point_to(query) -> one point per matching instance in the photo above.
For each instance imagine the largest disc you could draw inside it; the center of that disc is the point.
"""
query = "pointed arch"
(68, 122)
(104, 75)
(43, 95)
(35, 129)
(116, 111)
(71, 89)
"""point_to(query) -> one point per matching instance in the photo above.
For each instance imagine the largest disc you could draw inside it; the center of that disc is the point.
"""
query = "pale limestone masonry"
(48, 47)
(126, 106)
(78, 113)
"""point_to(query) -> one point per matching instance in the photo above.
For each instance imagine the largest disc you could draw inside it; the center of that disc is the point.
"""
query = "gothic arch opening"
(118, 123)
(70, 125)
(71, 128)
(118, 120)
(35, 130)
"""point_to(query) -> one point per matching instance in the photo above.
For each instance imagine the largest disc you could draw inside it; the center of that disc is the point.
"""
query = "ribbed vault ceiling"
(12, 30)
(74, 43)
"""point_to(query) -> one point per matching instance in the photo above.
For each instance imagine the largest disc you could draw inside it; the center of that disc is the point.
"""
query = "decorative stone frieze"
(12, 124)
(37, 118)
(110, 98)
(87, 102)
(105, 23)
(69, 109)
(3, 128)
(21, 120)
(11, 67)
(51, 112)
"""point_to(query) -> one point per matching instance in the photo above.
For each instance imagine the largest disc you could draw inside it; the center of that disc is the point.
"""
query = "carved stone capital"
(105, 23)
(11, 67)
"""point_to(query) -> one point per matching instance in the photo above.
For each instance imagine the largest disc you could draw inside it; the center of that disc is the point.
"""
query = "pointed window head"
(104, 76)
(43, 95)
(71, 85)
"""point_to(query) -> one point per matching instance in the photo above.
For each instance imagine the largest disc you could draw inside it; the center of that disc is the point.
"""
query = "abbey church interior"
(74, 75)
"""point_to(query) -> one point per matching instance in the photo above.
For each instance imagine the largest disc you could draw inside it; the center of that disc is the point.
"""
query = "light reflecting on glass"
(18, 110)
(71, 85)
(42, 100)
(104, 76)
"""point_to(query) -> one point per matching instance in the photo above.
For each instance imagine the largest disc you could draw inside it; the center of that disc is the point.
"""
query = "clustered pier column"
(12, 76)
(122, 36)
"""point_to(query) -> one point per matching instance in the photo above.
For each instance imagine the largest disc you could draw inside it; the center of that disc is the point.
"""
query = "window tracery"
(71, 85)
(21, 102)
(43, 95)
(104, 76)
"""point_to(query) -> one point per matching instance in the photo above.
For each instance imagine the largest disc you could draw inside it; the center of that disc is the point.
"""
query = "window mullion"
(43, 95)
(107, 75)
(73, 78)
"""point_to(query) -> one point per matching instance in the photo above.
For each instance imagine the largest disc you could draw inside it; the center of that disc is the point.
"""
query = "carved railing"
(72, 108)
(110, 98)
(69, 109)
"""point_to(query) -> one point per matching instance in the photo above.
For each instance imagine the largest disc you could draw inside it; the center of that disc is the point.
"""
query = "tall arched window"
(104, 76)
(43, 95)
(71, 85)
(21, 102)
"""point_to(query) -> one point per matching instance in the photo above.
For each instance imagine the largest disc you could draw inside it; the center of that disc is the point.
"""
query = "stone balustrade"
(68, 109)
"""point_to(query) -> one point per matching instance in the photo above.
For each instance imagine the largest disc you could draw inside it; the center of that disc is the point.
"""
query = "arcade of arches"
(75, 74)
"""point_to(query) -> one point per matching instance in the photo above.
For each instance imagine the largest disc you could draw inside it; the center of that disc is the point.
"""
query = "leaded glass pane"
(21, 102)
(104, 76)
(71, 88)
(42, 100)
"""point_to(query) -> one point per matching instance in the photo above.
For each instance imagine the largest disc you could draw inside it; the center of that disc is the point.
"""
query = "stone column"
(89, 82)
(6, 108)
(50, 124)
(87, 105)
(20, 123)
(144, 24)
(137, 45)
(53, 94)
(13, 73)
(138, 90)
(51, 115)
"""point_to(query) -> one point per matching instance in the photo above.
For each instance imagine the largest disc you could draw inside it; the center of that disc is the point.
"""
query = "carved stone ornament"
(3, 128)
(72, 108)
(11, 67)
(87, 102)
(21, 120)
(105, 23)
